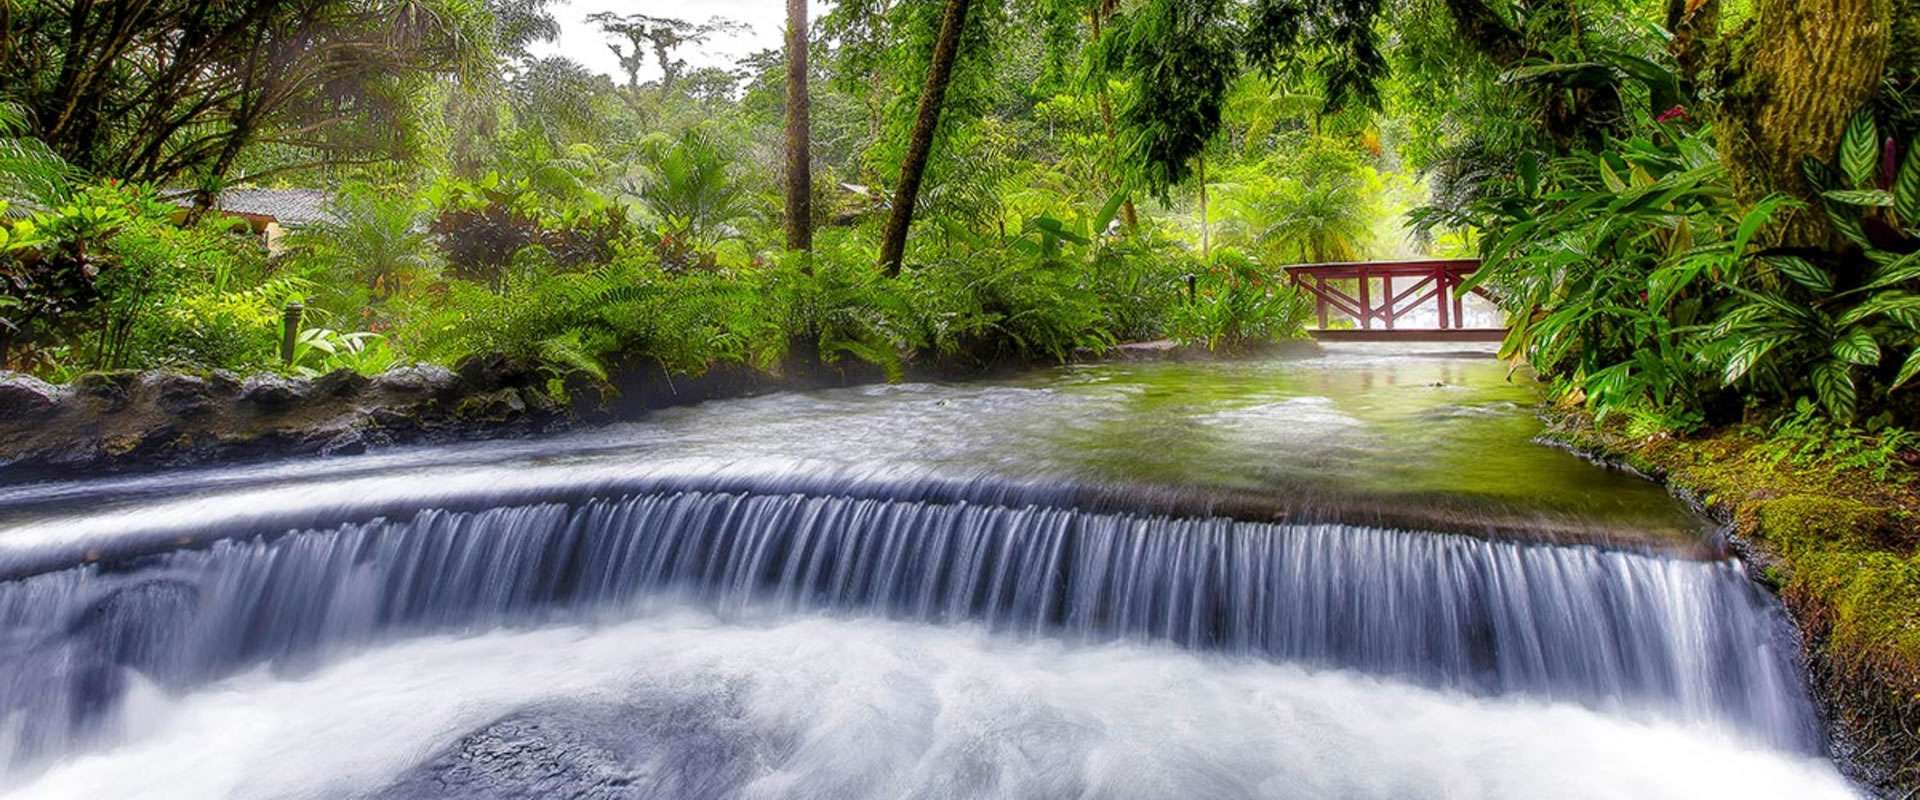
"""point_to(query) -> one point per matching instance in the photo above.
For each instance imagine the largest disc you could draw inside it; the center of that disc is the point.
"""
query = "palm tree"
(32, 176)
(692, 199)
(380, 237)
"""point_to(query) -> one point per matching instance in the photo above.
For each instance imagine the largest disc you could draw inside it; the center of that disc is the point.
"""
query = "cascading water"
(632, 630)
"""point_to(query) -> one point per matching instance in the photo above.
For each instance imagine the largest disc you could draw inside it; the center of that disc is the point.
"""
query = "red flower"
(1671, 114)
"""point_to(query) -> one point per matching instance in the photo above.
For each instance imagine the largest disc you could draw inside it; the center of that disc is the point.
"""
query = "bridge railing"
(1419, 283)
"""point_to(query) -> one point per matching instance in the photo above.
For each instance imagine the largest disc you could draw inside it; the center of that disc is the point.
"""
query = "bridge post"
(1386, 298)
(1366, 303)
(1320, 299)
(1443, 278)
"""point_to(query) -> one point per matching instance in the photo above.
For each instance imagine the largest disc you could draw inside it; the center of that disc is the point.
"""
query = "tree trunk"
(1206, 228)
(1101, 9)
(893, 248)
(799, 132)
(1795, 78)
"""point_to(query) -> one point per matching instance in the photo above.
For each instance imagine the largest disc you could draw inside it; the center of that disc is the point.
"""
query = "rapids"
(1349, 576)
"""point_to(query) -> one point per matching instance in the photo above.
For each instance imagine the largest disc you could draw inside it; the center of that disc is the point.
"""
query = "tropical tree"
(913, 168)
(692, 199)
(799, 221)
(168, 91)
(377, 237)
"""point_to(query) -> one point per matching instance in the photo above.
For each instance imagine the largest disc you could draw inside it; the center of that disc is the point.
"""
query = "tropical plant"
(1237, 306)
(1604, 263)
(1832, 321)
(691, 200)
(32, 176)
(374, 238)
(317, 351)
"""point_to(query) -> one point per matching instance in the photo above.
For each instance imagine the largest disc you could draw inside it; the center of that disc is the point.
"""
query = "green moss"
(1865, 597)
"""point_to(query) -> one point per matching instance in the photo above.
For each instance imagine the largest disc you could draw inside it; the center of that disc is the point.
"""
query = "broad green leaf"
(1757, 218)
(1865, 198)
(1847, 222)
(1907, 370)
(1833, 385)
(1896, 272)
(1819, 175)
(1747, 354)
(1108, 211)
(1857, 346)
(1885, 303)
(1803, 272)
(1906, 190)
(1859, 149)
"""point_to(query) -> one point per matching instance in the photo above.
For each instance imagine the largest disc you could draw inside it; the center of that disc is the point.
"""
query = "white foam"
(862, 708)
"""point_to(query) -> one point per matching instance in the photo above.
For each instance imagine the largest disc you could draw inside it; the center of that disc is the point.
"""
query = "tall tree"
(177, 90)
(913, 168)
(799, 132)
(1101, 11)
(1795, 78)
(662, 35)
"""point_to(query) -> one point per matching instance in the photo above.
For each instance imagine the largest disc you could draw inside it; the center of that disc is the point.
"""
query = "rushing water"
(1023, 588)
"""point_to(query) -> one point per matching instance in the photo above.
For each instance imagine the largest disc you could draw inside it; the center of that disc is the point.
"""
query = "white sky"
(584, 43)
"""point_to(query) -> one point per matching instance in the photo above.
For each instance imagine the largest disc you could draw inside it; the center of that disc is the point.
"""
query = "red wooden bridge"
(1420, 283)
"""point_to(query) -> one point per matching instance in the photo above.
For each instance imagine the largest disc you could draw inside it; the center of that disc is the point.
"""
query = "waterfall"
(1604, 628)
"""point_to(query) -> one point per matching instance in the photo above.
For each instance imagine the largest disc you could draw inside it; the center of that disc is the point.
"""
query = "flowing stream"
(1343, 576)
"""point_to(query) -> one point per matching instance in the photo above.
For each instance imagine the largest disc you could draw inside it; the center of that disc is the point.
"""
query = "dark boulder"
(498, 406)
(489, 372)
(174, 393)
(272, 392)
(340, 383)
(110, 389)
(26, 397)
(417, 382)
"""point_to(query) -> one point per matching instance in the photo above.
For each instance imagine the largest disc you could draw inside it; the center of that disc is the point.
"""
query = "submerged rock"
(659, 747)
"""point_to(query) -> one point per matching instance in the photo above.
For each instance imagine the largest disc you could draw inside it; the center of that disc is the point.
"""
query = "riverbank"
(124, 421)
(1839, 543)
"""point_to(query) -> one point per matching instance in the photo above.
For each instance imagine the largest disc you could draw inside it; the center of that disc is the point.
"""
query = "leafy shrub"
(1828, 321)
(691, 199)
(1807, 438)
(1029, 297)
(483, 225)
(1236, 306)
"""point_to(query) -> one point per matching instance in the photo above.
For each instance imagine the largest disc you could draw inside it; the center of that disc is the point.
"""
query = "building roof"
(289, 207)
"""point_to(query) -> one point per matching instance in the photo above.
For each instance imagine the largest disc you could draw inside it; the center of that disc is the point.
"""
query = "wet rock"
(25, 396)
(667, 747)
(420, 381)
(109, 388)
(173, 393)
(340, 383)
(272, 391)
(483, 373)
(499, 406)
(354, 441)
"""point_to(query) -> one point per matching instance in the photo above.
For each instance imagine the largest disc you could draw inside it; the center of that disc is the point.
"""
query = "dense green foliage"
(1103, 171)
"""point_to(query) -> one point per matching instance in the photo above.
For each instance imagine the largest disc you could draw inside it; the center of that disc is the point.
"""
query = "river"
(1349, 575)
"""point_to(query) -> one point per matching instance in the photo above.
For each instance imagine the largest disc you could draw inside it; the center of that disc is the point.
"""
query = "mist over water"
(1349, 576)
(683, 705)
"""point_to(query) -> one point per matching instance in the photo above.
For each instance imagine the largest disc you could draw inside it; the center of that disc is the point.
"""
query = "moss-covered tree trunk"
(913, 168)
(1792, 80)
(799, 132)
